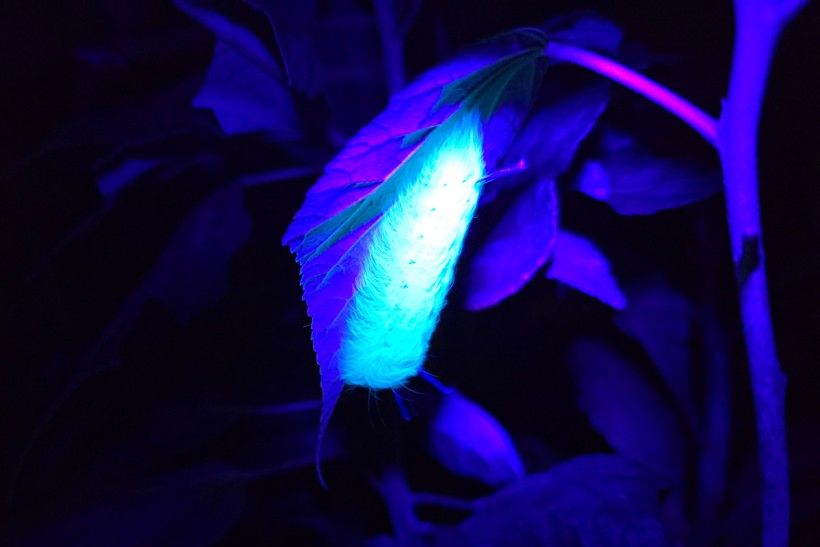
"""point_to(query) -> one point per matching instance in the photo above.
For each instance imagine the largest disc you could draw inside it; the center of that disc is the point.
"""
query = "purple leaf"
(192, 272)
(662, 320)
(601, 500)
(244, 86)
(551, 136)
(470, 442)
(634, 182)
(292, 24)
(112, 182)
(245, 98)
(517, 247)
(626, 409)
(230, 32)
(334, 52)
(577, 262)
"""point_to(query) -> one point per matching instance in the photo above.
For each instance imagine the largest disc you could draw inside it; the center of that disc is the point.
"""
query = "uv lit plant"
(519, 284)
(379, 234)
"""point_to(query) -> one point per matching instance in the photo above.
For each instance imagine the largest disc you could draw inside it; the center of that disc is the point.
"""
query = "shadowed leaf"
(469, 441)
(192, 272)
(662, 320)
(244, 86)
(599, 500)
(577, 262)
(626, 409)
(112, 182)
(634, 182)
(517, 247)
(245, 99)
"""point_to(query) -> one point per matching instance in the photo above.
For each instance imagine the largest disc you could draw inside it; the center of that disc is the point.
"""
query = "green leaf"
(489, 82)
(515, 82)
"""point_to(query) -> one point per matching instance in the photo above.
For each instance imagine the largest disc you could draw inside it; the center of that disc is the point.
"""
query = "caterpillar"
(410, 261)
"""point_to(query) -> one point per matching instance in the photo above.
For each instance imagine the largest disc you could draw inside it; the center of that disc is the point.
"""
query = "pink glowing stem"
(699, 120)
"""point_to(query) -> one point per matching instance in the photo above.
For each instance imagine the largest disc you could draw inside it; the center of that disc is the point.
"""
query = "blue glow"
(411, 260)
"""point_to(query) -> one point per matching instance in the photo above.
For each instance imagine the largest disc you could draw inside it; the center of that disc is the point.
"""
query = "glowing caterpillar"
(410, 261)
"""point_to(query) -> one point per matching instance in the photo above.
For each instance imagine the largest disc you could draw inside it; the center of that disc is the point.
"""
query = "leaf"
(626, 409)
(578, 263)
(572, 105)
(522, 241)
(244, 86)
(245, 99)
(662, 320)
(484, 89)
(365, 179)
(470, 442)
(551, 137)
(231, 32)
(634, 182)
(333, 51)
(192, 272)
(349, 53)
(518, 246)
(292, 25)
(600, 500)
(112, 182)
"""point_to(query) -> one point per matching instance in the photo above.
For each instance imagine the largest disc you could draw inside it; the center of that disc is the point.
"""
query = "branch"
(699, 120)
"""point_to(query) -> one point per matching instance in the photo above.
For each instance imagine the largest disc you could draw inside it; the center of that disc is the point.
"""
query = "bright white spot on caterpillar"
(411, 260)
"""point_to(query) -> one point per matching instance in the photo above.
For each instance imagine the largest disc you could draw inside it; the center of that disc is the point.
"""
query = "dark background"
(86, 82)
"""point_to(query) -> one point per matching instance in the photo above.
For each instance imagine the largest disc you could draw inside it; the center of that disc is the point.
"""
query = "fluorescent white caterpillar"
(411, 258)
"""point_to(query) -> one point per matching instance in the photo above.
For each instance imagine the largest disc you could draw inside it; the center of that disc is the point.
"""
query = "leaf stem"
(699, 120)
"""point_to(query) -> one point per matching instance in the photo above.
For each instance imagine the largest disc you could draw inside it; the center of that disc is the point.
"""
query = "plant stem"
(757, 29)
(699, 120)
